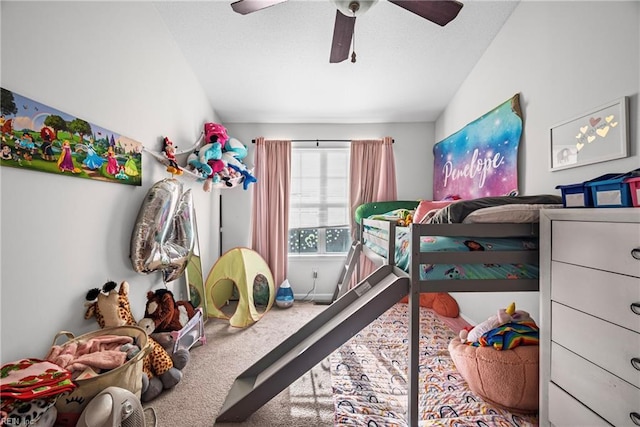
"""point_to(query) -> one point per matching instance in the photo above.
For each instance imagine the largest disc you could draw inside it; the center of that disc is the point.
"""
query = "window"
(319, 203)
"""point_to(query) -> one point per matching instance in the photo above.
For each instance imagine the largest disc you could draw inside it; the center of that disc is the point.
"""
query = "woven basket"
(127, 376)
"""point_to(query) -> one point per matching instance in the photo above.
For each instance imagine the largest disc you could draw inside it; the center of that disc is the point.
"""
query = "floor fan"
(116, 407)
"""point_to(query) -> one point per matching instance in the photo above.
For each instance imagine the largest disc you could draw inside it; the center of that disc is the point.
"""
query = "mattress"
(452, 244)
(369, 378)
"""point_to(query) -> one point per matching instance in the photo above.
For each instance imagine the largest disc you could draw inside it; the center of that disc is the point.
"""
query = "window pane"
(337, 216)
(303, 241)
(319, 198)
(337, 190)
(303, 217)
(337, 163)
(338, 240)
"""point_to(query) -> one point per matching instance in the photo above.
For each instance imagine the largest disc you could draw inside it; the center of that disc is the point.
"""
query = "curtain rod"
(317, 141)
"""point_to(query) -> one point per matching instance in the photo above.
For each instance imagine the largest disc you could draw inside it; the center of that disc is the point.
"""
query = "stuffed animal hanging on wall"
(170, 153)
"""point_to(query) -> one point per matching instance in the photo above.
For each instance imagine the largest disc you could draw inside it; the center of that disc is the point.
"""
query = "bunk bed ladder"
(347, 270)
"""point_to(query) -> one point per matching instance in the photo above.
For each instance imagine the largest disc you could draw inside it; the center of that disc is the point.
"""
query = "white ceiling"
(272, 66)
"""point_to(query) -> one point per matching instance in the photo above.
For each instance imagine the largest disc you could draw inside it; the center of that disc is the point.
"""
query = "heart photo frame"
(596, 136)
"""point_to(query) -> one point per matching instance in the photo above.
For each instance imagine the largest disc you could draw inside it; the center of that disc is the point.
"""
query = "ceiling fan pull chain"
(353, 41)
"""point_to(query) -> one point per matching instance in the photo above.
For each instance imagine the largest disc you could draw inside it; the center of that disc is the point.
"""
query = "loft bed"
(480, 159)
(435, 258)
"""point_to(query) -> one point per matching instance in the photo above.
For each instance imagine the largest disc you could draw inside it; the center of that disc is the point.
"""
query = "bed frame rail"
(463, 285)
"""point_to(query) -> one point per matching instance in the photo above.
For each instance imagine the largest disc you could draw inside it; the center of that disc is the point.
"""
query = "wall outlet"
(315, 273)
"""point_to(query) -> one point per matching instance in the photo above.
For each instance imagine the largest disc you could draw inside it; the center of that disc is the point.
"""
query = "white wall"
(412, 151)
(113, 64)
(564, 58)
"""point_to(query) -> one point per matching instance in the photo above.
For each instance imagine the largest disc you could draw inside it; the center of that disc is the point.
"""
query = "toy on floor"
(191, 334)
(503, 346)
(508, 379)
(510, 314)
(247, 272)
(167, 313)
(440, 302)
(174, 324)
(112, 308)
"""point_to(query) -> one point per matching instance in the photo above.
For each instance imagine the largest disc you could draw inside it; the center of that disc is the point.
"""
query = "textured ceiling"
(272, 66)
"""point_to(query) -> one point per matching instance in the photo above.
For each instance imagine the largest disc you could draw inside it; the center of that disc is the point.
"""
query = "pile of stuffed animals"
(508, 329)
(163, 365)
(217, 160)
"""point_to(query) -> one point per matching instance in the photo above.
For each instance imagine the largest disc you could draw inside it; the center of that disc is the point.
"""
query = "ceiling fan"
(440, 12)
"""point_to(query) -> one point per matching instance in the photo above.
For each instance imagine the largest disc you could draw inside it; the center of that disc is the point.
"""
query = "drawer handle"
(635, 252)
(635, 362)
(635, 417)
(635, 307)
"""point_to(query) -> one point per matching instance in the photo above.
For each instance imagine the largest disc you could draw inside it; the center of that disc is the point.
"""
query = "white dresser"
(590, 317)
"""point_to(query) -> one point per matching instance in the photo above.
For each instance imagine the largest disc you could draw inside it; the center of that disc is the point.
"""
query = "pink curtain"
(372, 179)
(270, 213)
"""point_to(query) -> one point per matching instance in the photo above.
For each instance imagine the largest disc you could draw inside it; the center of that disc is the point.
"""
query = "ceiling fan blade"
(342, 35)
(439, 11)
(247, 6)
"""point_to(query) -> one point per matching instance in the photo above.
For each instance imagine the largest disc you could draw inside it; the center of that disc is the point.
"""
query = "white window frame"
(323, 150)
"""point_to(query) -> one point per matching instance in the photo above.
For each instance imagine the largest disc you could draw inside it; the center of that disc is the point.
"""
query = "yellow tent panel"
(246, 271)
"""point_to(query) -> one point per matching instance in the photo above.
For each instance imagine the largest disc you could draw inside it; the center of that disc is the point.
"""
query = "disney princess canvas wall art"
(40, 138)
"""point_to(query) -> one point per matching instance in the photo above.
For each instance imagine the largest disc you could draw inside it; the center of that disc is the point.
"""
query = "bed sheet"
(369, 378)
(453, 244)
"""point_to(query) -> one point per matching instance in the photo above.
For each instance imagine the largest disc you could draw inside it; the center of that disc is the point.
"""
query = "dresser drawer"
(605, 295)
(607, 395)
(564, 410)
(605, 246)
(600, 342)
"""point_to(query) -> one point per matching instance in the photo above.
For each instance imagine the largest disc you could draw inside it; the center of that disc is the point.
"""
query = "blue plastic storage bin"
(613, 192)
(610, 193)
(580, 195)
(575, 196)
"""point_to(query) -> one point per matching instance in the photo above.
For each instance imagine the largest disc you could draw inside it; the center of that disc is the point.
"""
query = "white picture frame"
(598, 135)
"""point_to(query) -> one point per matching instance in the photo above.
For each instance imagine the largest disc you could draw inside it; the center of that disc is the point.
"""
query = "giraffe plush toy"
(112, 308)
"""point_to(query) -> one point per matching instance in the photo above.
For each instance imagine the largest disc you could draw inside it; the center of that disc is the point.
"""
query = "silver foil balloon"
(163, 235)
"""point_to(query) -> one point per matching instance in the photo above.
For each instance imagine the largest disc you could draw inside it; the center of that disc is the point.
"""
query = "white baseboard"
(322, 298)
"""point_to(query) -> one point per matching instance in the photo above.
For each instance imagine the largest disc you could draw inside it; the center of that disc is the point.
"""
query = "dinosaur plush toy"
(111, 308)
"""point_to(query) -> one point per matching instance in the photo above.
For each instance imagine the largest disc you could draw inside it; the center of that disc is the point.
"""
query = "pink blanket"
(98, 353)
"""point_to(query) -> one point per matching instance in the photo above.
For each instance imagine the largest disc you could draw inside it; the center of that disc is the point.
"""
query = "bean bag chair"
(505, 378)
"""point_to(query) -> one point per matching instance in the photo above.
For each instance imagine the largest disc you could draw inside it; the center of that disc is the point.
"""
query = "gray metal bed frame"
(501, 230)
(362, 304)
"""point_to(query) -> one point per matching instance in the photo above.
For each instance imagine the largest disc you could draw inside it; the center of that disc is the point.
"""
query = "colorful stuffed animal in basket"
(510, 314)
(167, 313)
(112, 308)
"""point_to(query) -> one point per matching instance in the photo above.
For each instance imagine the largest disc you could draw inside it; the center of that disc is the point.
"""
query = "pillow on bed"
(441, 302)
(458, 211)
(518, 213)
(428, 205)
